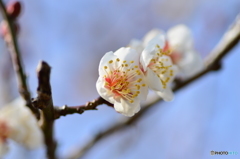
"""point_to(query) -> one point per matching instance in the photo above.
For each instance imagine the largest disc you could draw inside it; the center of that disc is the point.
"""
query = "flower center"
(123, 79)
(162, 66)
(4, 131)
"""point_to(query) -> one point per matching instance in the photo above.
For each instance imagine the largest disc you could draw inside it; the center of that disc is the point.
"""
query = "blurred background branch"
(44, 90)
(11, 40)
(212, 63)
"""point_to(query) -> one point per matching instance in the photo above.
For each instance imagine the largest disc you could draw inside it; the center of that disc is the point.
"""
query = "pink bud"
(14, 9)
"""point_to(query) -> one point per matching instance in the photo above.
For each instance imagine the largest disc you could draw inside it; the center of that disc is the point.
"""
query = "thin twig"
(212, 63)
(16, 61)
(45, 103)
(66, 110)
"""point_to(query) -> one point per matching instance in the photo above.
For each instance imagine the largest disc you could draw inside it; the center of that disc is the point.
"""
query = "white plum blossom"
(121, 80)
(158, 67)
(180, 42)
(18, 123)
(156, 62)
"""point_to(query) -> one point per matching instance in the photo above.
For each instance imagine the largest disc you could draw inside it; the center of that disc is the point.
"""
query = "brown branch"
(212, 63)
(45, 103)
(66, 110)
(16, 60)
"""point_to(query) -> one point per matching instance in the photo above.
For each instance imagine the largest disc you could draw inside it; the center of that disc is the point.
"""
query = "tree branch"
(66, 110)
(212, 63)
(44, 102)
(16, 60)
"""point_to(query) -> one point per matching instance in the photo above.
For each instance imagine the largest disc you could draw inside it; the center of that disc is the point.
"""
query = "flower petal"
(180, 38)
(33, 140)
(158, 40)
(103, 92)
(105, 62)
(190, 64)
(137, 45)
(126, 108)
(153, 80)
(21, 122)
(128, 54)
(150, 50)
(175, 72)
(167, 94)
(150, 35)
(143, 91)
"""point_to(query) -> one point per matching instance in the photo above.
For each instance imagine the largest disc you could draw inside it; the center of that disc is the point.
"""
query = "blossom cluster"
(151, 63)
(20, 125)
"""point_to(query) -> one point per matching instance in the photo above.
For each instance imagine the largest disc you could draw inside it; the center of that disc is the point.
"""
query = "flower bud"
(14, 9)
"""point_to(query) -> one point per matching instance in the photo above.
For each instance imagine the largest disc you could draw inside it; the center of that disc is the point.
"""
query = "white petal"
(150, 35)
(153, 80)
(128, 54)
(3, 149)
(105, 62)
(118, 107)
(167, 60)
(180, 38)
(190, 64)
(175, 72)
(34, 138)
(126, 108)
(21, 121)
(158, 40)
(150, 50)
(146, 56)
(137, 45)
(143, 91)
(103, 92)
(167, 95)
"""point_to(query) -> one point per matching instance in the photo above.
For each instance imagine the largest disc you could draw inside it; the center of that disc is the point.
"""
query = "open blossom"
(121, 80)
(158, 67)
(180, 41)
(18, 123)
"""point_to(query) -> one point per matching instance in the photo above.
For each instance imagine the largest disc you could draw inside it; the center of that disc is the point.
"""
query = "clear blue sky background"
(72, 36)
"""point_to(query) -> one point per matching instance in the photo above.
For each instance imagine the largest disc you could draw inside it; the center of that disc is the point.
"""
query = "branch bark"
(45, 103)
(17, 61)
(66, 110)
(212, 63)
